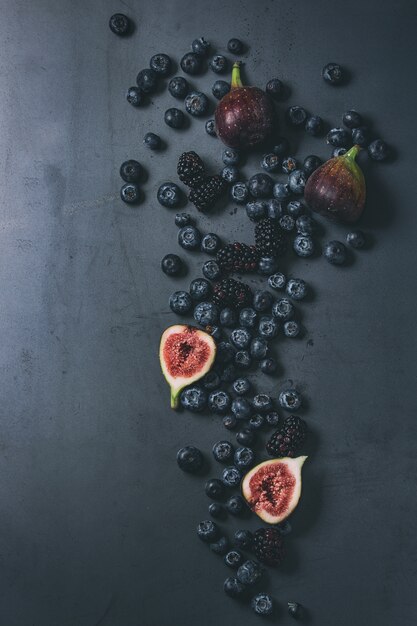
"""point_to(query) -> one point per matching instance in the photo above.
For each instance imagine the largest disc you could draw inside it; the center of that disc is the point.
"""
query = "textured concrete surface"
(97, 525)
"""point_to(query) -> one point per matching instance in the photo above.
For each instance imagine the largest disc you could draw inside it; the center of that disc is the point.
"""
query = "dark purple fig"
(337, 189)
(245, 115)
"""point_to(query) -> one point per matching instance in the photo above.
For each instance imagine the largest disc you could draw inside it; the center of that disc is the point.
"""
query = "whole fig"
(337, 188)
(244, 116)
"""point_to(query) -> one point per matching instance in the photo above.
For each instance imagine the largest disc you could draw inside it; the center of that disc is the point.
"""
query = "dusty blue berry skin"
(243, 359)
(240, 338)
(268, 327)
(291, 329)
(249, 573)
(190, 459)
(305, 225)
(172, 265)
(262, 403)
(260, 185)
(191, 63)
(352, 119)
(235, 46)
(200, 289)
(272, 419)
(243, 539)
(289, 164)
(275, 88)
(241, 386)
(178, 87)
(239, 192)
(131, 171)
(295, 208)
(233, 588)
(135, 96)
(256, 210)
(210, 127)
(206, 314)
(218, 64)
(259, 348)
(277, 281)
(281, 191)
(208, 531)
(356, 239)
(147, 81)
(290, 399)
(182, 219)
(335, 252)
(214, 489)
(314, 125)
(339, 138)
(230, 156)
(268, 366)
(230, 173)
(270, 162)
(120, 25)
(296, 289)
(332, 73)
(283, 309)
(245, 437)
(211, 270)
(200, 46)
(262, 300)
(210, 243)
(310, 164)
(193, 399)
(160, 64)
(378, 150)
(189, 238)
(217, 510)
(220, 88)
(236, 505)
(196, 103)
(231, 476)
(287, 223)
(174, 118)
(244, 457)
(267, 264)
(303, 245)
(233, 559)
(248, 317)
(241, 408)
(180, 302)
(230, 421)
(228, 317)
(262, 604)
(152, 141)
(274, 209)
(297, 181)
(336, 152)
(256, 422)
(296, 116)
(361, 136)
(219, 401)
(223, 451)
(130, 193)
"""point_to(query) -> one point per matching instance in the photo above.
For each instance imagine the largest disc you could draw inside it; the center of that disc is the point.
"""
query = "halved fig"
(186, 354)
(273, 488)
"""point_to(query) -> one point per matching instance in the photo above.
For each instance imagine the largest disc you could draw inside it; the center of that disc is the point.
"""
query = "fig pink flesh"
(272, 488)
(185, 353)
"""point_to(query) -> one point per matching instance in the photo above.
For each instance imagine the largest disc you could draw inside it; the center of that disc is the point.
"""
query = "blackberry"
(238, 257)
(190, 169)
(233, 293)
(269, 238)
(287, 440)
(205, 195)
(268, 546)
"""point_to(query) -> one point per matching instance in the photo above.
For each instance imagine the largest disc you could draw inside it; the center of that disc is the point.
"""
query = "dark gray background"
(97, 524)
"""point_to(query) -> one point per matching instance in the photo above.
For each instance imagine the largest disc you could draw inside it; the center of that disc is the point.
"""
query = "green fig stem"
(236, 81)
(174, 399)
(352, 153)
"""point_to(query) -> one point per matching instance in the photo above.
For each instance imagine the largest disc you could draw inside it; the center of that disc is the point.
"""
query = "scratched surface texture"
(97, 524)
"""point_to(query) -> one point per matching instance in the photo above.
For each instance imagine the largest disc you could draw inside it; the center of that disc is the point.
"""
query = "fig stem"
(236, 81)
(174, 399)
(351, 154)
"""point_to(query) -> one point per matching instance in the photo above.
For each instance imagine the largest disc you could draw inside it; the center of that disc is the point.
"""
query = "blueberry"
(243, 539)
(310, 164)
(233, 559)
(314, 125)
(262, 300)
(296, 116)
(131, 171)
(190, 459)
(182, 219)
(218, 64)
(230, 156)
(281, 147)
(196, 103)
(244, 457)
(305, 225)
(272, 418)
(221, 546)
(256, 210)
(274, 209)
(178, 87)
(267, 264)
(241, 408)
(303, 245)
(287, 223)
(223, 451)
(245, 437)
(210, 243)
(361, 136)
(281, 191)
(219, 401)
(335, 252)
(211, 270)
(160, 64)
(147, 81)
(296, 289)
(241, 386)
(239, 192)
(240, 338)
(352, 119)
(332, 73)
(233, 587)
(120, 24)
(290, 399)
(283, 309)
(210, 127)
(231, 476)
(256, 422)
(289, 164)
(206, 313)
(291, 329)
(152, 141)
(228, 317)
(230, 422)
(297, 181)
(260, 185)
(217, 510)
(228, 373)
(275, 88)
(262, 604)
(174, 118)
(211, 380)
(259, 348)
(200, 289)
(339, 137)
(378, 150)
(336, 152)
(225, 352)
(268, 327)
(268, 366)
(235, 505)
(189, 238)
(295, 208)
(200, 46)
(208, 531)
(249, 573)
(214, 489)
(235, 46)
(356, 239)
(243, 359)
(172, 265)
(220, 88)
(191, 63)
(230, 173)
(169, 195)
(194, 399)
(130, 193)
(134, 96)
(270, 162)
(262, 403)
(294, 609)
(180, 302)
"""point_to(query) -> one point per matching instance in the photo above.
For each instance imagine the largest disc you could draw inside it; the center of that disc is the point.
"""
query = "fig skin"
(245, 116)
(337, 188)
